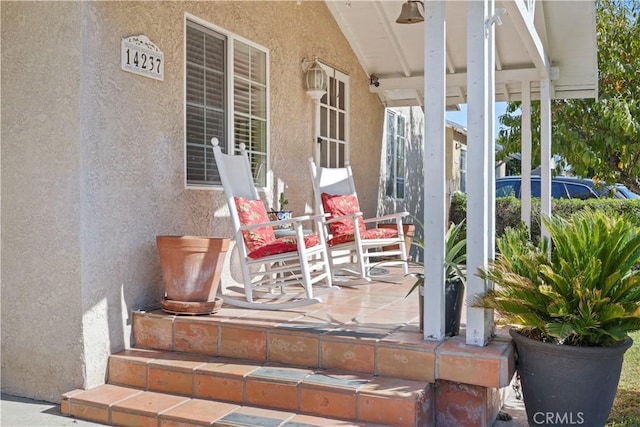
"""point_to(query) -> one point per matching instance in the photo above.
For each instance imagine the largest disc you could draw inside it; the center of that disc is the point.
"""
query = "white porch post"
(545, 151)
(525, 160)
(434, 162)
(491, 136)
(479, 141)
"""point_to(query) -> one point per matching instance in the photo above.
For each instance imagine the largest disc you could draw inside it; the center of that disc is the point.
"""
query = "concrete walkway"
(18, 412)
(514, 408)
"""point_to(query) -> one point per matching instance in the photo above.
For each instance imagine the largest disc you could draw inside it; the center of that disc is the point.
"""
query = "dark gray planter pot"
(567, 385)
(454, 299)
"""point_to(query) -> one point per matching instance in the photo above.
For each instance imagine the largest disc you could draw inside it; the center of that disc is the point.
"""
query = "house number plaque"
(139, 55)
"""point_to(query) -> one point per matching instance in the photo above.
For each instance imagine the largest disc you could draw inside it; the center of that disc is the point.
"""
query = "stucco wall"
(94, 171)
(41, 260)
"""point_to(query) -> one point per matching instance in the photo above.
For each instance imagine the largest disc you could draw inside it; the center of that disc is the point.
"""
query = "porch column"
(489, 114)
(545, 151)
(525, 159)
(480, 140)
(434, 162)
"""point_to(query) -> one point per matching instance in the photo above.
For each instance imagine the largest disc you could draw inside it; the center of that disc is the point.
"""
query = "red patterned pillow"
(341, 205)
(372, 233)
(254, 212)
(283, 245)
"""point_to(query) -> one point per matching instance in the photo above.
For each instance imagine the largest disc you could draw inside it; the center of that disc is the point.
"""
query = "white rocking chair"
(346, 230)
(272, 268)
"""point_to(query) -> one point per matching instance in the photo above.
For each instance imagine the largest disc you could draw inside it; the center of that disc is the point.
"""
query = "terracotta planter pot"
(191, 266)
(409, 231)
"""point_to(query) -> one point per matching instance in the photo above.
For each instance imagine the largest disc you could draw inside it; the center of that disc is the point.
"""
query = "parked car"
(564, 187)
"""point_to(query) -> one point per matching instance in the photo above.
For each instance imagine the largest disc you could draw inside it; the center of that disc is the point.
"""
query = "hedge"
(508, 210)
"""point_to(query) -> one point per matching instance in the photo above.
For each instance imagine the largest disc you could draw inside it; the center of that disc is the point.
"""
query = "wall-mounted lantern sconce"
(412, 12)
(315, 78)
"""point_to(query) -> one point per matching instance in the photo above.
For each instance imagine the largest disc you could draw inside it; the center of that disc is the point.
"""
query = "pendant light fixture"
(412, 12)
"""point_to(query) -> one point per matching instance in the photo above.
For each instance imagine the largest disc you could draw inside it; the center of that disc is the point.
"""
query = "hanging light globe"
(316, 80)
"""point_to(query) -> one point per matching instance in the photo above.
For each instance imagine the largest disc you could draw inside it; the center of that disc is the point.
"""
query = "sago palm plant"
(580, 288)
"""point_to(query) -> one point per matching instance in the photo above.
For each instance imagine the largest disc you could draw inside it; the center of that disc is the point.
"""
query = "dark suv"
(564, 187)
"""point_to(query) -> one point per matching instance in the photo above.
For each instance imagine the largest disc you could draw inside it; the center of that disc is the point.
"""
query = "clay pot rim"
(224, 241)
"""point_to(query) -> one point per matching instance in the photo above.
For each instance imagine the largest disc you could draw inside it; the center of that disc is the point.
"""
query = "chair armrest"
(352, 216)
(294, 220)
(320, 217)
(394, 216)
(299, 219)
(258, 225)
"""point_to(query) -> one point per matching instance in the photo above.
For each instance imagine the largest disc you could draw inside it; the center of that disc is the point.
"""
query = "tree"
(596, 138)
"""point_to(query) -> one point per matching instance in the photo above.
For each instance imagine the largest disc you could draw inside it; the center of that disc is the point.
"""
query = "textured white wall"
(41, 259)
(92, 166)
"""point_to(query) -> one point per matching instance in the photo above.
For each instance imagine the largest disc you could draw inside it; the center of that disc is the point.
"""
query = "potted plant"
(191, 271)
(455, 264)
(571, 299)
(282, 212)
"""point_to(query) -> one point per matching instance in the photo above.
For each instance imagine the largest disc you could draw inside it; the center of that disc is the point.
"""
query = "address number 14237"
(140, 56)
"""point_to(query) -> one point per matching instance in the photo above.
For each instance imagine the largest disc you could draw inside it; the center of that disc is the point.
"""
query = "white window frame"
(231, 39)
(393, 140)
(463, 169)
(328, 135)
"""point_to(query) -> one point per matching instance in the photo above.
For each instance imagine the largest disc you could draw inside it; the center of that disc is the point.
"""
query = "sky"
(460, 117)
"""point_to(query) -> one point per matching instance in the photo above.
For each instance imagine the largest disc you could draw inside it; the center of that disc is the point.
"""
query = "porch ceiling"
(559, 40)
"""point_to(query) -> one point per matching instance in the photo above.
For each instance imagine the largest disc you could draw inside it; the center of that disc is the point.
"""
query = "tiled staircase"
(297, 368)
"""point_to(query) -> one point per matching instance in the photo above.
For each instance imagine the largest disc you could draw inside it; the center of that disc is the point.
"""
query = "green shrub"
(583, 292)
(508, 210)
(458, 208)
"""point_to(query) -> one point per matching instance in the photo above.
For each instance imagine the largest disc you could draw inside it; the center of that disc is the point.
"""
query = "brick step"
(358, 358)
(289, 338)
(309, 341)
(126, 406)
(324, 393)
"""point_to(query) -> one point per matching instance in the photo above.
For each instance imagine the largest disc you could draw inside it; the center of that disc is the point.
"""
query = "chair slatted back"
(334, 181)
(237, 180)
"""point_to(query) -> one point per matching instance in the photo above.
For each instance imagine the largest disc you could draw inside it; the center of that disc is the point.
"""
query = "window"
(579, 191)
(219, 64)
(396, 154)
(463, 169)
(558, 190)
(334, 120)
(507, 187)
(535, 188)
